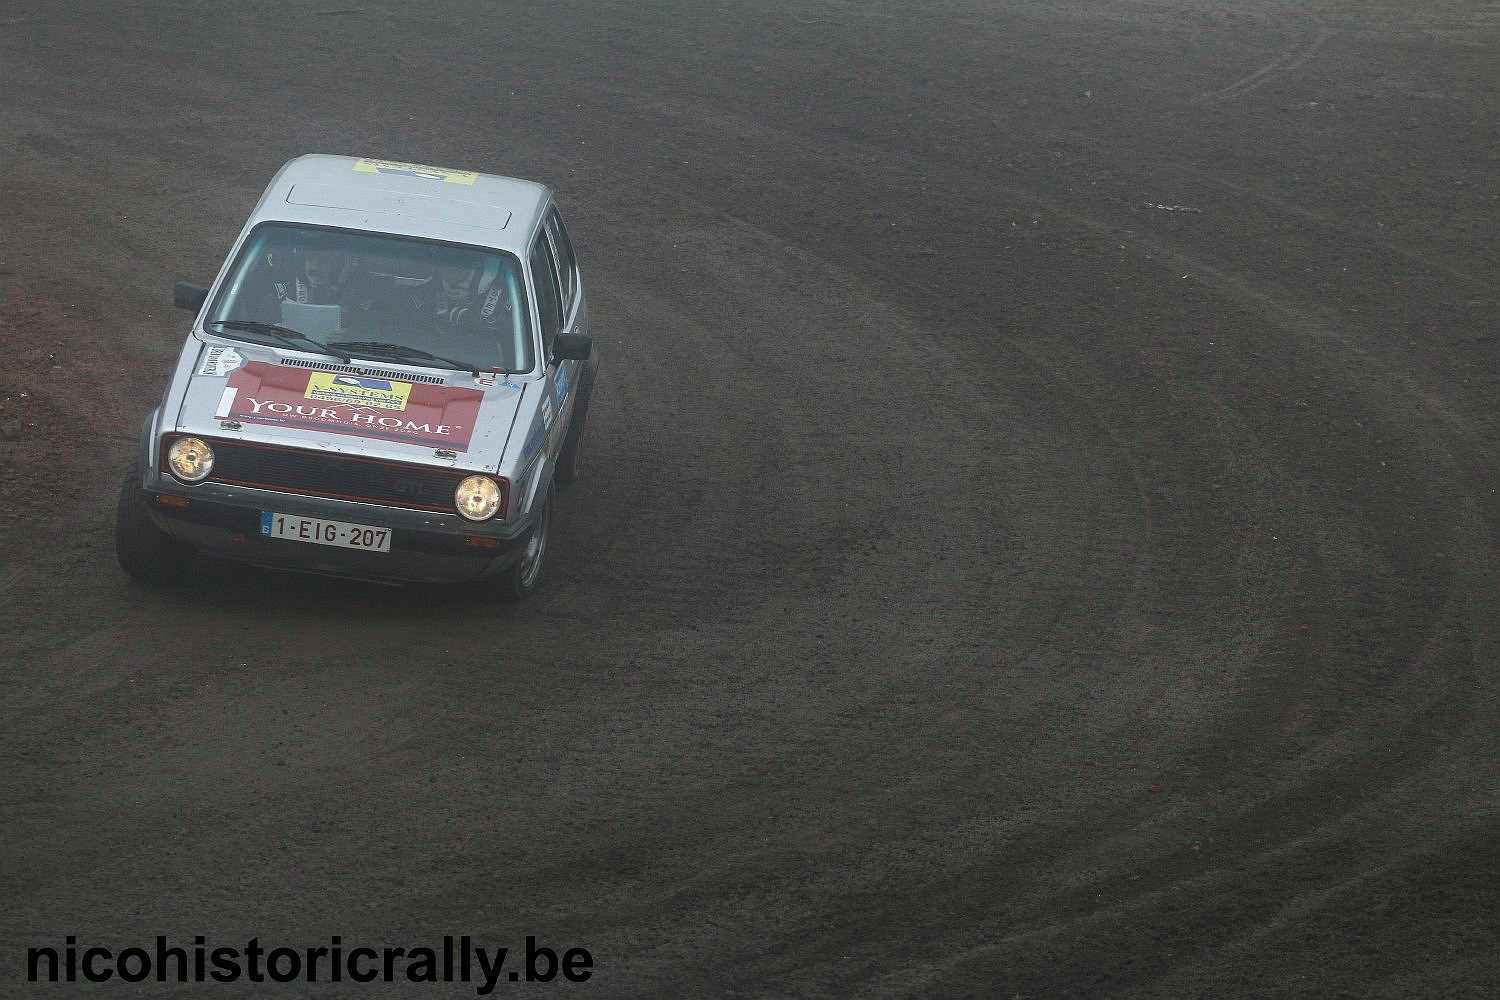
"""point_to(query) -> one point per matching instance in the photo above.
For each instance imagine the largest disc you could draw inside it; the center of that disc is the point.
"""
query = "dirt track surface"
(1038, 537)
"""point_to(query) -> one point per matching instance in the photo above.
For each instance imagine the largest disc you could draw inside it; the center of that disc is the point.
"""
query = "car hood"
(253, 393)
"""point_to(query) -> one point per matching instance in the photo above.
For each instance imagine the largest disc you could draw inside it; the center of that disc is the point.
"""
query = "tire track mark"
(1292, 59)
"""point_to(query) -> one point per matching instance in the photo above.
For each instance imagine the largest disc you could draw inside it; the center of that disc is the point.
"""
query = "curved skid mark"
(1289, 60)
(1278, 202)
(1235, 287)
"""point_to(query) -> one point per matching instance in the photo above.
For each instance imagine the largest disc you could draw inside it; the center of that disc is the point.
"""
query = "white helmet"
(460, 273)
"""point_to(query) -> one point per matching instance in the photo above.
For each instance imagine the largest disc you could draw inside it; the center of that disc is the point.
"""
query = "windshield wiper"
(284, 334)
(400, 352)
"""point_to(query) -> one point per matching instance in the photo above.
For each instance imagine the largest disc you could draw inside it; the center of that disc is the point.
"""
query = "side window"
(562, 250)
(548, 306)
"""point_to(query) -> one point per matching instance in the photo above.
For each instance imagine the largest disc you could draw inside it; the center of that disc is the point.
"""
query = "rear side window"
(548, 305)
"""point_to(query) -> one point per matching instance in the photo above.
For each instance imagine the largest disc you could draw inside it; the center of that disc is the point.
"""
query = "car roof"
(387, 196)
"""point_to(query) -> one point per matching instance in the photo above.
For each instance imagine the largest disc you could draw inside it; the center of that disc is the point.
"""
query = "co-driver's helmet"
(322, 257)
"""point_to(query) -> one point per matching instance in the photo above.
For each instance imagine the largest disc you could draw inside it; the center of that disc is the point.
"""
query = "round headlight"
(478, 498)
(190, 459)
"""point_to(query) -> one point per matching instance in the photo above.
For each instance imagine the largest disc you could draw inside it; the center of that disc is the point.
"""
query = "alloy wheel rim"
(536, 547)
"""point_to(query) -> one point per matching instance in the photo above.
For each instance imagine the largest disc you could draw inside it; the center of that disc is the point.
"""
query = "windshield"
(377, 297)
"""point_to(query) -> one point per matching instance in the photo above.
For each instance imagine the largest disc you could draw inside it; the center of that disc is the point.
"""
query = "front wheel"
(569, 464)
(146, 553)
(521, 578)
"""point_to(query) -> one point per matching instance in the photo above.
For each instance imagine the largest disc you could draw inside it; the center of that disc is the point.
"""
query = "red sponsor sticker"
(438, 416)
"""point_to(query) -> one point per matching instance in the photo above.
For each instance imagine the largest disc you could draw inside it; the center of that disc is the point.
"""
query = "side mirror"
(572, 347)
(189, 297)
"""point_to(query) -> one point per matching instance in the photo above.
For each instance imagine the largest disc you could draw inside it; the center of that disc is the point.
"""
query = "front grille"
(339, 477)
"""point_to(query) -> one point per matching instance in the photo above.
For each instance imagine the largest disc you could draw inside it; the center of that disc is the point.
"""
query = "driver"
(462, 298)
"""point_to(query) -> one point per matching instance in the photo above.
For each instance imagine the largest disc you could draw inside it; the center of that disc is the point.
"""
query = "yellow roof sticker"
(368, 166)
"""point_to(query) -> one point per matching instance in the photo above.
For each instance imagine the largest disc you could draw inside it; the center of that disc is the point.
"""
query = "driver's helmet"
(462, 274)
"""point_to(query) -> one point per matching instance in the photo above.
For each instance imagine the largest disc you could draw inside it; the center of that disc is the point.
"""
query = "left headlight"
(477, 498)
(190, 459)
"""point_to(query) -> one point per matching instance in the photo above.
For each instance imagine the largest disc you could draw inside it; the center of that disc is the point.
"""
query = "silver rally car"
(388, 380)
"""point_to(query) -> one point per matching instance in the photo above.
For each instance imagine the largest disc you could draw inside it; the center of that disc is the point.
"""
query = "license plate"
(312, 529)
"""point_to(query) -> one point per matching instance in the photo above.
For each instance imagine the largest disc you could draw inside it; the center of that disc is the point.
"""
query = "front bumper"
(425, 547)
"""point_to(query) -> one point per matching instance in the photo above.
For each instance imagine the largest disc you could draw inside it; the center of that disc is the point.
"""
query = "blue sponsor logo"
(534, 441)
(364, 383)
(562, 384)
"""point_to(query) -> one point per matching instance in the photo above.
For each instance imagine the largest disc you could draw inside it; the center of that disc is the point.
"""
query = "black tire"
(569, 465)
(146, 553)
(520, 579)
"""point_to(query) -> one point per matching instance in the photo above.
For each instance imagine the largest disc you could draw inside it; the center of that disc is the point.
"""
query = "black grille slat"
(360, 370)
(335, 476)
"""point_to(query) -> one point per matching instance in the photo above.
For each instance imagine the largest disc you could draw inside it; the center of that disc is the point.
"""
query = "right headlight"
(190, 459)
(477, 498)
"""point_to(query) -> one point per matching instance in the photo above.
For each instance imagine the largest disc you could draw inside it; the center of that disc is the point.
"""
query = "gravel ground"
(1038, 536)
